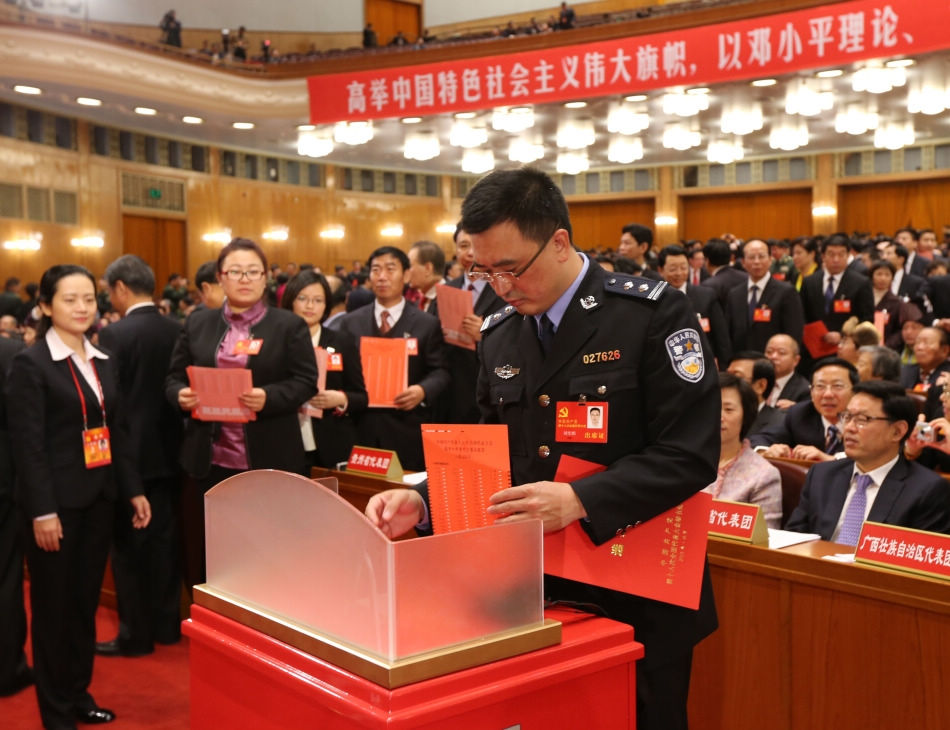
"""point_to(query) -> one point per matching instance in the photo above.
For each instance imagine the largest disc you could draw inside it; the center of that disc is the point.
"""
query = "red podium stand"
(241, 678)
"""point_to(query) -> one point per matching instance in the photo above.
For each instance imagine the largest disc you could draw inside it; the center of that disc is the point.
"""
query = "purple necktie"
(854, 516)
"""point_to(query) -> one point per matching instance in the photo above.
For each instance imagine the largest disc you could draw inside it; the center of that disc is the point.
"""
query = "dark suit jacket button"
(544, 400)
(544, 451)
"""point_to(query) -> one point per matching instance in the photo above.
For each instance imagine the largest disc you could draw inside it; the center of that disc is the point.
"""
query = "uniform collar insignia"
(506, 371)
(588, 302)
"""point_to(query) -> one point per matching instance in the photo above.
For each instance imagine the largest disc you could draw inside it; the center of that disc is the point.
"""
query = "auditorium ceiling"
(65, 69)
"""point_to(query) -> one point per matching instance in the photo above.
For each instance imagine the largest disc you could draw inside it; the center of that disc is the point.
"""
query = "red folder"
(454, 304)
(661, 559)
(812, 336)
(218, 390)
(385, 363)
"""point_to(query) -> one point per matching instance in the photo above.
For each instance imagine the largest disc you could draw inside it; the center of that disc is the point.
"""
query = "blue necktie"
(854, 515)
(832, 442)
(546, 333)
(829, 294)
(753, 301)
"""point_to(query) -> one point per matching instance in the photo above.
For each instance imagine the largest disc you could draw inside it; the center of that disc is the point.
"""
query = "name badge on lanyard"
(96, 445)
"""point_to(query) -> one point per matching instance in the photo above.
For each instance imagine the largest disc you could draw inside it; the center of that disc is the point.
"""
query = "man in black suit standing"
(834, 293)
(722, 276)
(14, 672)
(674, 267)
(391, 315)
(635, 242)
(145, 563)
(461, 404)
(916, 265)
(875, 482)
(906, 286)
(765, 306)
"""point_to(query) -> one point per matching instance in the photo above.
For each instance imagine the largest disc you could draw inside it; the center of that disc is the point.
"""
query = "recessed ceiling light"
(636, 97)
(306, 127)
(192, 120)
(411, 120)
(764, 82)
(830, 73)
(88, 101)
(900, 63)
(243, 125)
(698, 90)
(145, 111)
(20, 89)
(575, 105)
(466, 115)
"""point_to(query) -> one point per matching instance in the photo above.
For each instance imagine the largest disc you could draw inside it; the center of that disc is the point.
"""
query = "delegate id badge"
(412, 346)
(334, 362)
(762, 314)
(96, 447)
(581, 422)
(842, 306)
(247, 347)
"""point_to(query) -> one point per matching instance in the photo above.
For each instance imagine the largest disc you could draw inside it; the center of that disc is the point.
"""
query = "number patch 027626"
(603, 356)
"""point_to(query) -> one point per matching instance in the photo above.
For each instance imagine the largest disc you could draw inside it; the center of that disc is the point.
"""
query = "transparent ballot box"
(291, 558)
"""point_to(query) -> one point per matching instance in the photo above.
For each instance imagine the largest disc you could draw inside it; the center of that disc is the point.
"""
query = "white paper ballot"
(779, 539)
(414, 478)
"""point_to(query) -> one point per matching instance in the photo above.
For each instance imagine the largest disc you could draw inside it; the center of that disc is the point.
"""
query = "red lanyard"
(82, 398)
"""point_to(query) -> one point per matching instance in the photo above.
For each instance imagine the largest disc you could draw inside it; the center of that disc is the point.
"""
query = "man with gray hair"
(876, 362)
(426, 271)
(145, 562)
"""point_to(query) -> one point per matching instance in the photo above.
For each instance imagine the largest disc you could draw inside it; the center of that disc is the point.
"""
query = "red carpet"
(145, 692)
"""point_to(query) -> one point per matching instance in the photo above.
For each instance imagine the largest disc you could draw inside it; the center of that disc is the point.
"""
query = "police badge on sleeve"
(686, 354)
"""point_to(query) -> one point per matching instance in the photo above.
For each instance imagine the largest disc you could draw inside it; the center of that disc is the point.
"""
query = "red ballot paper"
(218, 390)
(454, 304)
(322, 357)
(465, 463)
(812, 336)
(661, 559)
(880, 322)
(385, 368)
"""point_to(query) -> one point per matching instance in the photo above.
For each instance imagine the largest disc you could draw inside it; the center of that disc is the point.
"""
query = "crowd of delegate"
(830, 349)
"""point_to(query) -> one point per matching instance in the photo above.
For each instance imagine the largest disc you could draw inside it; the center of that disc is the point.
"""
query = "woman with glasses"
(328, 438)
(744, 476)
(275, 346)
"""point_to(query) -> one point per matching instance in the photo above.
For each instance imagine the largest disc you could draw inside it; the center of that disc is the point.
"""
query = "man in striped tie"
(875, 482)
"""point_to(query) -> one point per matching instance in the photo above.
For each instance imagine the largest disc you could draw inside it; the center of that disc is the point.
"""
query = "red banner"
(830, 35)
(901, 548)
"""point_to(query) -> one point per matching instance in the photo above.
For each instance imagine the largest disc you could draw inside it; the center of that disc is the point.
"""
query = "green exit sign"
(154, 193)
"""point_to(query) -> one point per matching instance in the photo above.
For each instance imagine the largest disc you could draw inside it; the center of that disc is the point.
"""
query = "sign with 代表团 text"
(904, 549)
(738, 521)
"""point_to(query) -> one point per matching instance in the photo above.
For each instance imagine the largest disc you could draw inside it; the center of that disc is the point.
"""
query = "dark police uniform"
(634, 345)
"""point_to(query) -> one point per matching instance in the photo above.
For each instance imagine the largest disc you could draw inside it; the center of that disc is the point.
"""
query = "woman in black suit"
(275, 346)
(329, 439)
(68, 431)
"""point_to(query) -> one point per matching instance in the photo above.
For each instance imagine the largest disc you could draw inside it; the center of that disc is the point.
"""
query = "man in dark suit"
(697, 264)
(904, 285)
(765, 306)
(459, 398)
(661, 414)
(673, 266)
(875, 482)
(145, 563)
(931, 350)
(14, 672)
(810, 430)
(426, 271)
(790, 387)
(834, 293)
(392, 316)
(722, 276)
(758, 372)
(908, 238)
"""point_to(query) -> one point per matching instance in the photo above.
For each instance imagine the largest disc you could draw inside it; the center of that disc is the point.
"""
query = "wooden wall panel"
(598, 224)
(769, 214)
(390, 16)
(885, 207)
(160, 241)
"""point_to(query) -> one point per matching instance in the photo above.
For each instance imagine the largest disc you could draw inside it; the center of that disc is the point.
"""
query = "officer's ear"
(561, 241)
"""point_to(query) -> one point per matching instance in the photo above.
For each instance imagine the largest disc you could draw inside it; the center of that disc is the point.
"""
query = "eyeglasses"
(249, 274)
(833, 387)
(506, 277)
(860, 419)
(303, 299)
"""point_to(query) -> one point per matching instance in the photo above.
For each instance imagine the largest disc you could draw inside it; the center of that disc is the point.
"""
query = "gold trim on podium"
(388, 674)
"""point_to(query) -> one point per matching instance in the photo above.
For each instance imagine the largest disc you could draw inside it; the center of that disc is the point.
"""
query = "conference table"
(807, 643)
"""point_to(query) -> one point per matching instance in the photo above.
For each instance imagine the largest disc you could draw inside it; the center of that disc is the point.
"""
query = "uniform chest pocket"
(503, 394)
(603, 385)
(508, 399)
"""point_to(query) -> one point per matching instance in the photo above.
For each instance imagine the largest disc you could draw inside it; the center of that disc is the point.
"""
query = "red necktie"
(384, 325)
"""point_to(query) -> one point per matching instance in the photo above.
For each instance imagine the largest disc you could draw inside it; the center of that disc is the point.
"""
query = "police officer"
(573, 336)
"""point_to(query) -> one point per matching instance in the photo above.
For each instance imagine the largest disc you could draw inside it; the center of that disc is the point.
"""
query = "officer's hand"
(409, 398)
(554, 503)
(395, 511)
(812, 453)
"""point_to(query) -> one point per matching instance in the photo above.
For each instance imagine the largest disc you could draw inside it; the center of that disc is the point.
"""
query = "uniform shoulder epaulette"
(497, 318)
(634, 286)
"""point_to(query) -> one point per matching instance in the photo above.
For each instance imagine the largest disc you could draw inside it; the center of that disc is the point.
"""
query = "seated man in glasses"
(875, 482)
(810, 430)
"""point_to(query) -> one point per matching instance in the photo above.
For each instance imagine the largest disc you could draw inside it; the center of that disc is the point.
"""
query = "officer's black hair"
(762, 367)
(839, 362)
(907, 229)
(900, 250)
(396, 253)
(836, 239)
(717, 252)
(525, 197)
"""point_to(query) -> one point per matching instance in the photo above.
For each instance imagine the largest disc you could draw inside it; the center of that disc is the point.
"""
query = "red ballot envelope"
(880, 322)
(218, 390)
(661, 559)
(454, 304)
(322, 357)
(385, 368)
(812, 336)
(465, 464)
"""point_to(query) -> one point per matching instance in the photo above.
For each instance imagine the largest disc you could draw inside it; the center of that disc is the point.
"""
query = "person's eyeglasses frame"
(244, 274)
(861, 420)
(508, 277)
